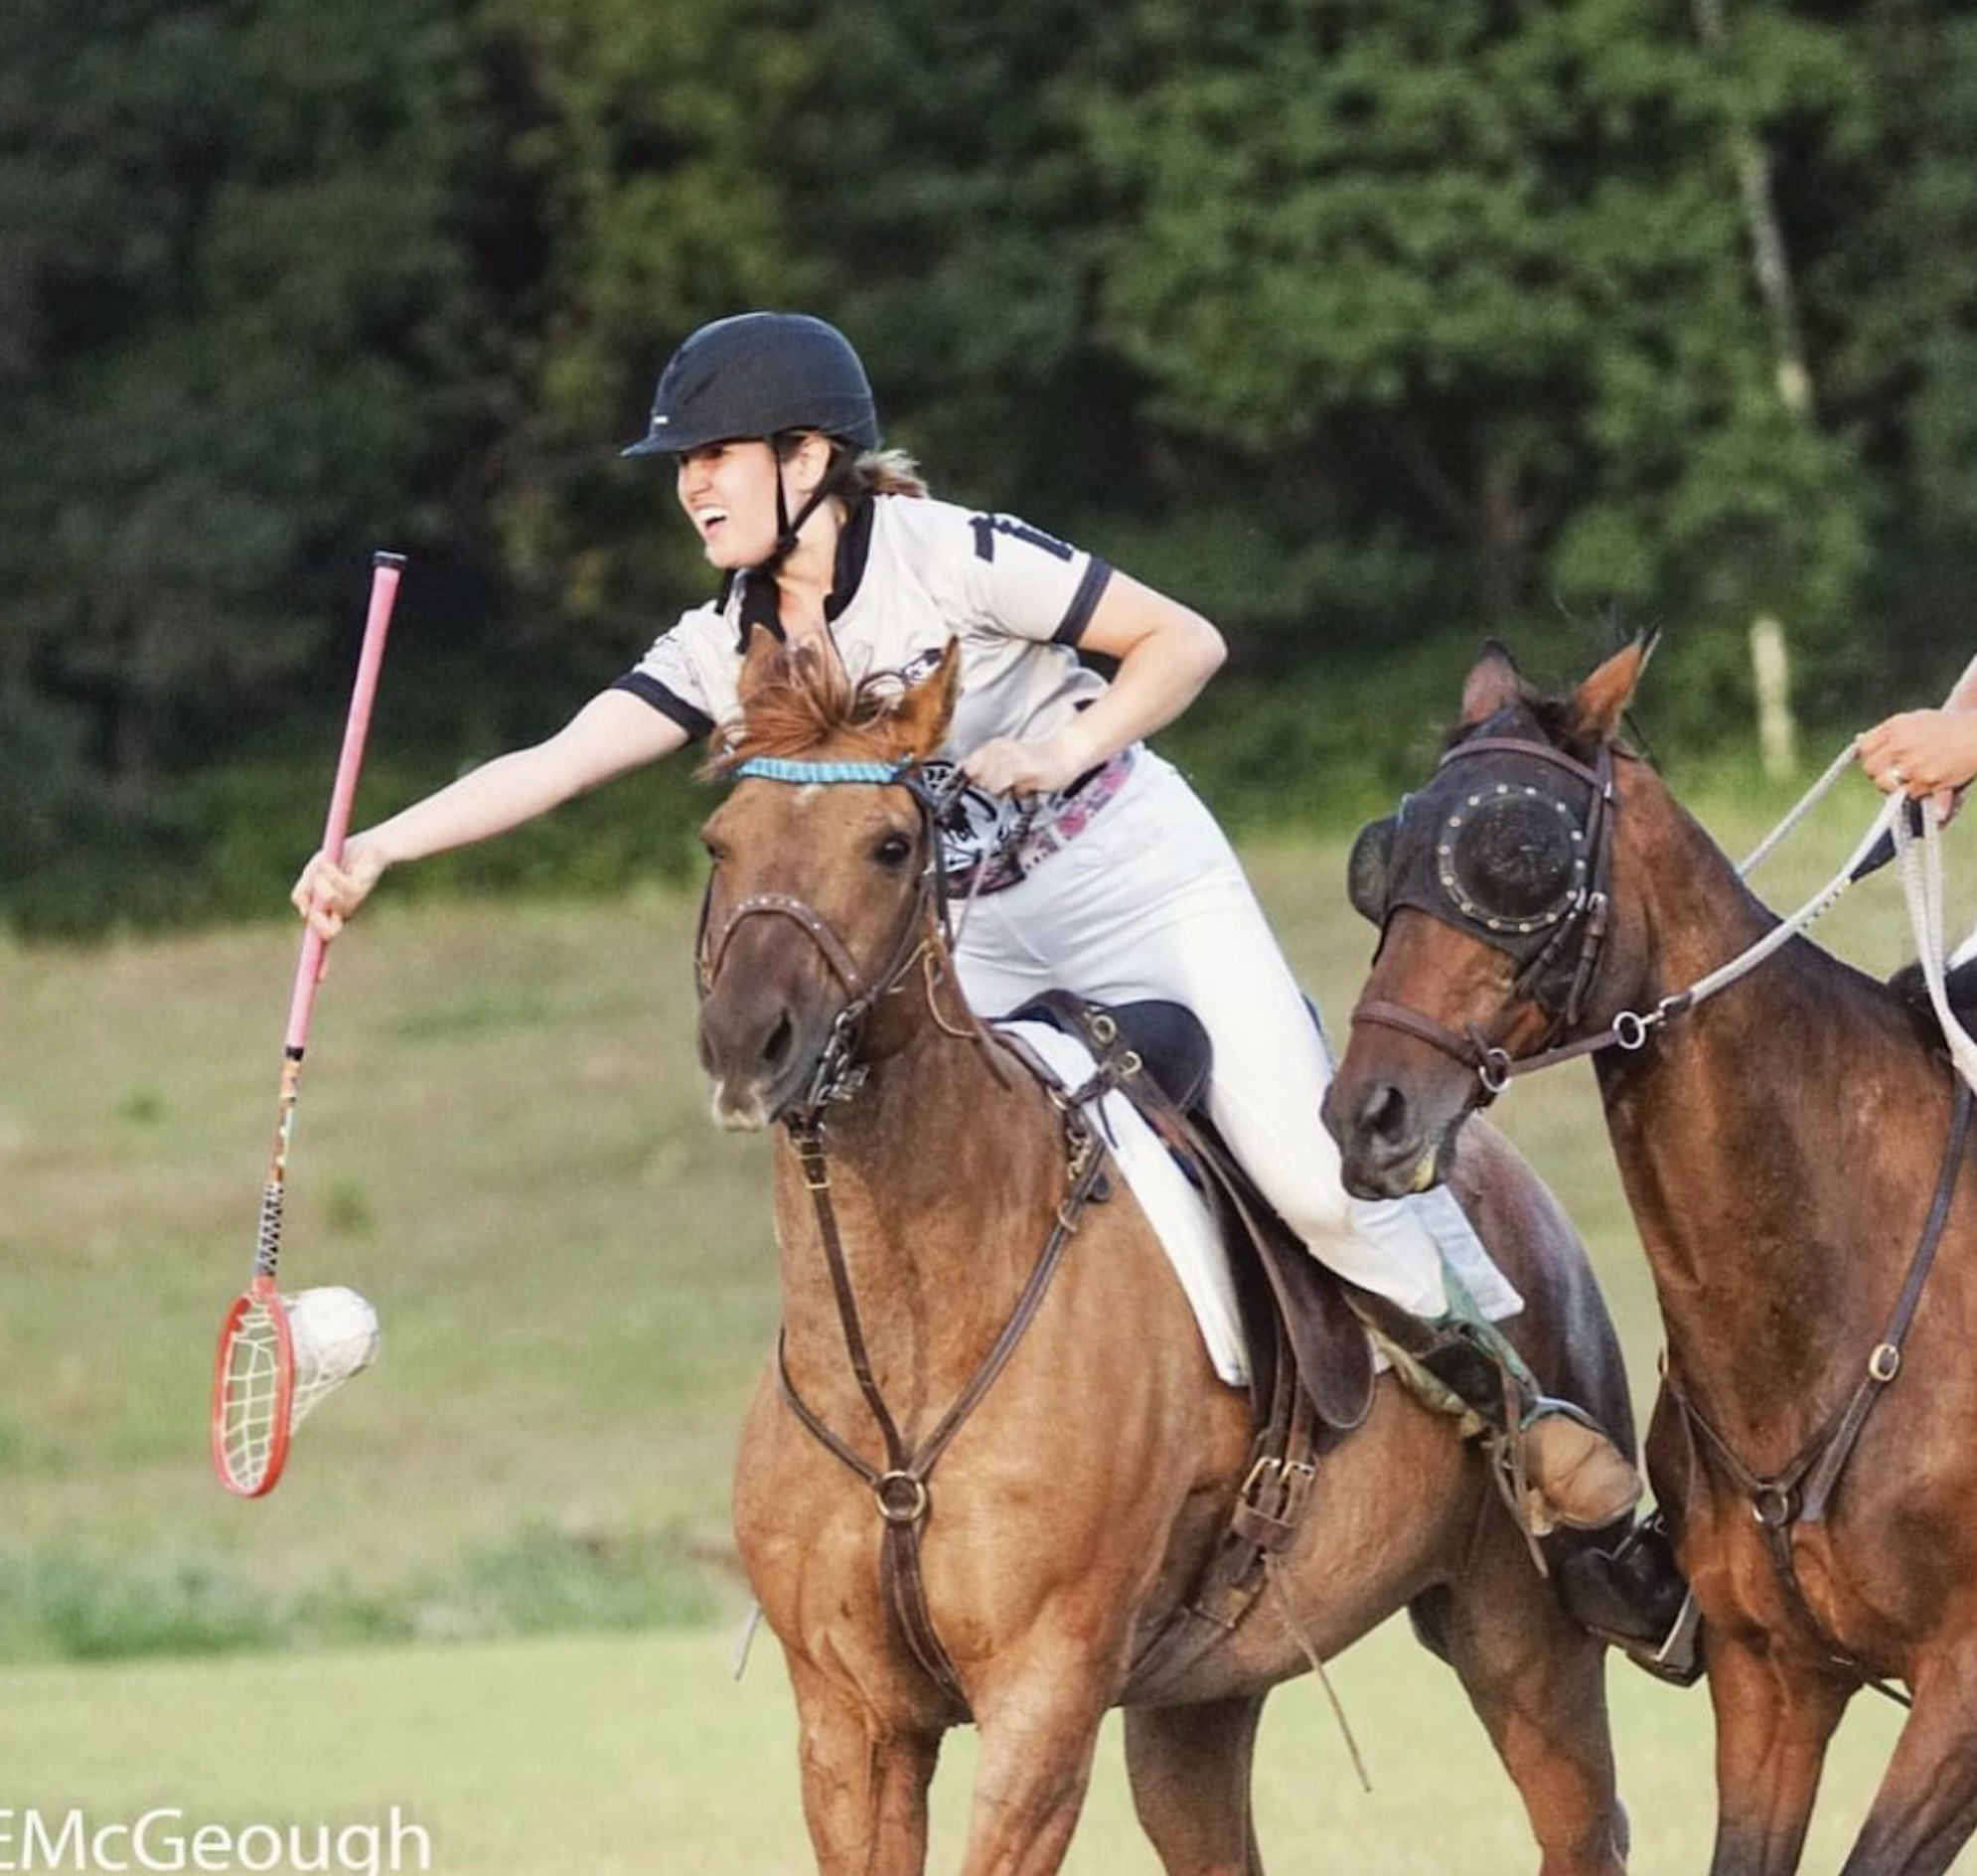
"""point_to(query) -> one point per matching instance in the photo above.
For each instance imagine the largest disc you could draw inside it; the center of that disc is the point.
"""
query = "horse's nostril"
(1383, 1112)
(777, 1047)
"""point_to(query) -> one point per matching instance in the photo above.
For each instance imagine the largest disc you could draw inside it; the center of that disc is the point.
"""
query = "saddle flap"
(1327, 1339)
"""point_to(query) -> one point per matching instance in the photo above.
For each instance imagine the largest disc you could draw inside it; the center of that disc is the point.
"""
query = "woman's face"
(729, 491)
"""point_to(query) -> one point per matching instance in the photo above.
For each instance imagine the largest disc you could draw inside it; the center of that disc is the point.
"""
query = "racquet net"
(254, 1393)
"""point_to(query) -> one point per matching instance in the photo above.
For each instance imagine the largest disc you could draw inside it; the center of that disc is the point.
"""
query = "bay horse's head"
(1499, 933)
(825, 886)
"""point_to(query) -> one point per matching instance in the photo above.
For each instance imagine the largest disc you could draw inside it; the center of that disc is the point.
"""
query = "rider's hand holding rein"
(1925, 754)
(1165, 650)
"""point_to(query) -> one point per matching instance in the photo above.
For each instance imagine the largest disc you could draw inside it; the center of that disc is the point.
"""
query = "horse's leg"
(1773, 1720)
(1039, 1729)
(1926, 1806)
(1190, 1768)
(864, 1790)
(1538, 1683)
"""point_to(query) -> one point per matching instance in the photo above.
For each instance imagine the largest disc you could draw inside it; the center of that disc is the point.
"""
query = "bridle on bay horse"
(901, 1488)
(1516, 864)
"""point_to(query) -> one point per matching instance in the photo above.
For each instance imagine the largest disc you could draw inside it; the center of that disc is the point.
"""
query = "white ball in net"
(334, 1333)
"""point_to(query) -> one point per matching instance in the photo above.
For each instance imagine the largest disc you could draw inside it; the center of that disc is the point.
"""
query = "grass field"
(502, 1142)
(638, 1757)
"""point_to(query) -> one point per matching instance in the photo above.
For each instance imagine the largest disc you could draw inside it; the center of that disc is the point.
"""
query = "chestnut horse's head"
(1498, 932)
(826, 872)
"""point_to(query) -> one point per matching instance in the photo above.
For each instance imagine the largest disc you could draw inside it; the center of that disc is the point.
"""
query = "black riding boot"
(1635, 1596)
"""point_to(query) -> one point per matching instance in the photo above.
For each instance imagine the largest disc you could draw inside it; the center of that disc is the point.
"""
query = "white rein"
(1920, 863)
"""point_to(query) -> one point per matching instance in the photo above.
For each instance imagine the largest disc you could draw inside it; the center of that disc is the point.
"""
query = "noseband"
(839, 1073)
(1555, 940)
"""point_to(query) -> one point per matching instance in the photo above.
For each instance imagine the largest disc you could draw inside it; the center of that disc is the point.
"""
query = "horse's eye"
(894, 851)
(714, 851)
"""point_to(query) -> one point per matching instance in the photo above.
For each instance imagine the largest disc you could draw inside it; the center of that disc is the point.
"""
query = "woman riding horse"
(1096, 866)
(1110, 1523)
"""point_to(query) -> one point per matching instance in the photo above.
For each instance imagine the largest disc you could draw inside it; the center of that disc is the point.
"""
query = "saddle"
(1160, 1057)
(1311, 1373)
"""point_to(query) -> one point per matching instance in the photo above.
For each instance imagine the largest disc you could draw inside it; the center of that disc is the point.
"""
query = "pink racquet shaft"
(386, 569)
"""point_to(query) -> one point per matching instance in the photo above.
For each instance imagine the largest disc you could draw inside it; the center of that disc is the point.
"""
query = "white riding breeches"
(1150, 901)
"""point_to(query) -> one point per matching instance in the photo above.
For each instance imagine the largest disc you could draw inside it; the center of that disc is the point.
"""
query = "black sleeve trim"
(1083, 602)
(694, 722)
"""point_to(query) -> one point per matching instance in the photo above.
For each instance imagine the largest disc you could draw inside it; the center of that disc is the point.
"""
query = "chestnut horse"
(1782, 1145)
(1078, 1503)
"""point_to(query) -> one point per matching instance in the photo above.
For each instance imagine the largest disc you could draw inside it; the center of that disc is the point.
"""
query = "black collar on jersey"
(854, 547)
(759, 598)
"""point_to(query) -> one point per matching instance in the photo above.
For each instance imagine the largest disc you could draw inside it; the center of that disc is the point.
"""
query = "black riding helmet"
(757, 375)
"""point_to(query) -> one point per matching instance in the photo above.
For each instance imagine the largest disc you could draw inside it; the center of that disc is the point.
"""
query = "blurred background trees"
(1368, 328)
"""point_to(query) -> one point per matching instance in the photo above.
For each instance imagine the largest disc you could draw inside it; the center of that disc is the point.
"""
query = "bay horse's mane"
(794, 700)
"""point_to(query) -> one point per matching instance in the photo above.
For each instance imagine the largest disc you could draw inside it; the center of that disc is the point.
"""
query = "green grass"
(605, 1758)
(502, 1142)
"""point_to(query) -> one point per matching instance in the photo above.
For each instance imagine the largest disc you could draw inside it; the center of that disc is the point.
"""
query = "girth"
(1310, 1364)
(1802, 1492)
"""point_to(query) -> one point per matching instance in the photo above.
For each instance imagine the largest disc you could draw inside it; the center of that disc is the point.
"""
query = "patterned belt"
(1034, 840)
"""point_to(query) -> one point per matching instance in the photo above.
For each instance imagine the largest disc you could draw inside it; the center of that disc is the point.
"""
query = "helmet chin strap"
(759, 595)
(787, 529)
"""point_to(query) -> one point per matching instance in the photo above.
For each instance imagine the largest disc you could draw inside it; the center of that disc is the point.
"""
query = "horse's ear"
(756, 658)
(925, 712)
(1598, 703)
(1494, 683)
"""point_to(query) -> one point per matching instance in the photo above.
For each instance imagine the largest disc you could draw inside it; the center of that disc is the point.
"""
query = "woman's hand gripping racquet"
(278, 1358)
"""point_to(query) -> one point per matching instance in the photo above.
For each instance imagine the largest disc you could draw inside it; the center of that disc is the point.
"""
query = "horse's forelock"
(801, 702)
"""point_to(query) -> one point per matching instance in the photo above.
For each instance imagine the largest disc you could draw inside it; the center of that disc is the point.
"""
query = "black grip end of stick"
(383, 558)
(1878, 855)
(1883, 850)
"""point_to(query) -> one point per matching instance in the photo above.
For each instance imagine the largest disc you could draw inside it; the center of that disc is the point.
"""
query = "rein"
(901, 1488)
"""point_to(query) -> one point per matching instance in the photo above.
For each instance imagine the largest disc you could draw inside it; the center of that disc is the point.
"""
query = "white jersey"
(1161, 908)
(912, 576)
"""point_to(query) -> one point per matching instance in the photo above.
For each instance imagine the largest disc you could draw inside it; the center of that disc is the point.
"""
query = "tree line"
(1367, 326)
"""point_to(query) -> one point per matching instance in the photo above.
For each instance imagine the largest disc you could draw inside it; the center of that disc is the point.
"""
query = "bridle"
(1556, 946)
(840, 1071)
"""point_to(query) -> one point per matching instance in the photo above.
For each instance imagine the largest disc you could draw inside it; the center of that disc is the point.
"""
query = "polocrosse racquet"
(257, 1400)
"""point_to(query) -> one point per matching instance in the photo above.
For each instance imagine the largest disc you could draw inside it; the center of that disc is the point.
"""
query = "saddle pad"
(1186, 1227)
(1179, 1215)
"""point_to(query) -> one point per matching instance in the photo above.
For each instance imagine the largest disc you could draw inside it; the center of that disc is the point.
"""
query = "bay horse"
(1782, 1148)
(1082, 1492)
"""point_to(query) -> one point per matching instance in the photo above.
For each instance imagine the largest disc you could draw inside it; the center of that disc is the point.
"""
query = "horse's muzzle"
(1386, 1149)
(758, 1054)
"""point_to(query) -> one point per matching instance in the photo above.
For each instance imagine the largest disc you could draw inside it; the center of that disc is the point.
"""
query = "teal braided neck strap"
(775, 768)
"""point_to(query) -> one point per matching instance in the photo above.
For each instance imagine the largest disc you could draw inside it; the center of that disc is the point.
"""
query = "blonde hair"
(885, 472)
(855, 474)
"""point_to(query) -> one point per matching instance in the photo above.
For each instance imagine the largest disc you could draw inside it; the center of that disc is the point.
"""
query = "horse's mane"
(799, 700)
